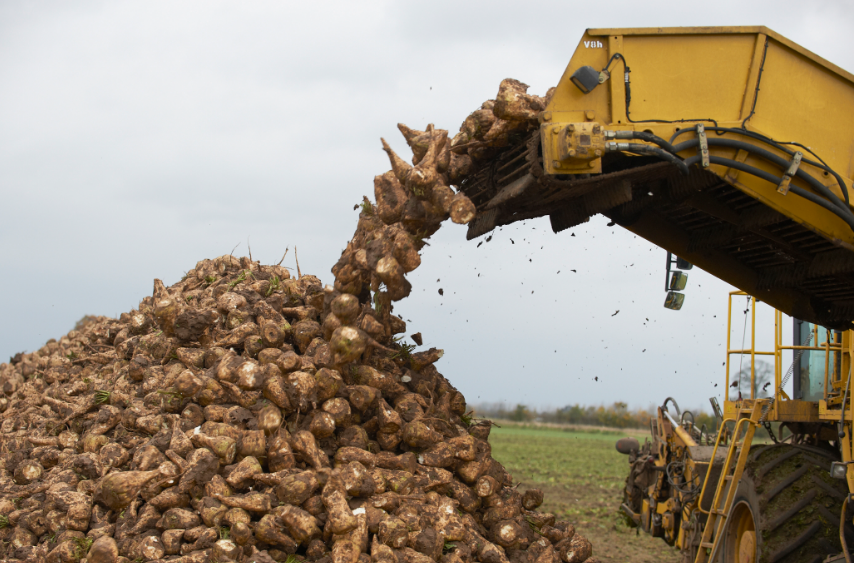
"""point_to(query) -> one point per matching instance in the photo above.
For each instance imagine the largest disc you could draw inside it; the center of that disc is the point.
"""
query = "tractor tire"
(786, 508)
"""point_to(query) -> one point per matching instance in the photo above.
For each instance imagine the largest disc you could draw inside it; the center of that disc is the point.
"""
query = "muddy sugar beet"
(244, 415)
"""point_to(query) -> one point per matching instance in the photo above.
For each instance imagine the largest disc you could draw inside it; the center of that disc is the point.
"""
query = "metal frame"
(779, 410)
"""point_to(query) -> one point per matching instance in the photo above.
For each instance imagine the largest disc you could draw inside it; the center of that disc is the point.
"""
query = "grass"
(404, 352)
(582, 476)
(244, 275)
(275, 285)
(83, 545)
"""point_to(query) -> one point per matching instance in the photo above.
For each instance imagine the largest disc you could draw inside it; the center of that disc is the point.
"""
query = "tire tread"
(786, 483)
(774, 462)
(793, 503)
(800, 540)
(797, 507)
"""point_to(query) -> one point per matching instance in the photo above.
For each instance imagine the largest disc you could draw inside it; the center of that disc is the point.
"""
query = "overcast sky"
(137, 138)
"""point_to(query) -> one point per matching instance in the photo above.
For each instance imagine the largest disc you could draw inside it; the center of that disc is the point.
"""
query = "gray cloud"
(138, 138)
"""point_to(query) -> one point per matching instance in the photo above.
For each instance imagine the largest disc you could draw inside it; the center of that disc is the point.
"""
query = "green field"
(582, 476)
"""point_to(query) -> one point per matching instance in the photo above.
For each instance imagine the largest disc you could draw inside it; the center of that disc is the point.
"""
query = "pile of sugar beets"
(244, 415)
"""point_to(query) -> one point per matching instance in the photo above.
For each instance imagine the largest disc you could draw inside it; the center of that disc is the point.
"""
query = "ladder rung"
(707, 544)
(728, 477)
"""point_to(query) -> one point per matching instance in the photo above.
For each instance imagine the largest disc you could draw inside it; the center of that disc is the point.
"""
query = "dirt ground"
(582, 476)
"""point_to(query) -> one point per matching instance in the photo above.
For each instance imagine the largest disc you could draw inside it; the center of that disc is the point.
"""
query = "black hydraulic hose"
(781, 146)
(849, 219)
(760, 137)
(773, 158)
(675, 405)
(655, 151)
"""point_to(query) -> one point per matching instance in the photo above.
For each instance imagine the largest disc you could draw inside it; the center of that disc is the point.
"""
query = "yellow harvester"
(730, 147)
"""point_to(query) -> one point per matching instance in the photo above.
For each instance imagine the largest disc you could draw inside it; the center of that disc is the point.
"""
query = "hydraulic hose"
(780, 146)
(644, 136)
(848, 218)
(675, 405)
(834, 205)
(646, 149)
(773, 158)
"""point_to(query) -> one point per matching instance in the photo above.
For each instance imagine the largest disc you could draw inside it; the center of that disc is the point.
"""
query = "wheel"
(740, 538)
(786, 508)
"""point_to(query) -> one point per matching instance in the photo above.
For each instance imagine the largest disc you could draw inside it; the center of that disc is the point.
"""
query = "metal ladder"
(736, 459)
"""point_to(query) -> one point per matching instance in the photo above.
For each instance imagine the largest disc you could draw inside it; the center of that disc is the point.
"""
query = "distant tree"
(520, 414)
(763, 379)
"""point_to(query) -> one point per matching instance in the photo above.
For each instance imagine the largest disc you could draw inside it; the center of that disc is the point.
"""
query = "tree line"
(616, 415)
(619, 415)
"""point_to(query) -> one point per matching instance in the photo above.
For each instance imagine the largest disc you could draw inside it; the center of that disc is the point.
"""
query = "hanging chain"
(770, 430)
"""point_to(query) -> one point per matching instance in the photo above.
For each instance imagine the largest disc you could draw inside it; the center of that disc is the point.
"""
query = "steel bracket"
(704, 145)
(783, 188)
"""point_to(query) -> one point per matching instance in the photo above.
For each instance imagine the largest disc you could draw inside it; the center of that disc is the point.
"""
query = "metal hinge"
(783, 188)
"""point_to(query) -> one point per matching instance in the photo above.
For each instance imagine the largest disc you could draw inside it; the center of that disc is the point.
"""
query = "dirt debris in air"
(243, 415)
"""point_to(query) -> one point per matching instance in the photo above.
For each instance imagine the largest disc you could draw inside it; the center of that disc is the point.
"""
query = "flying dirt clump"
(244, 415)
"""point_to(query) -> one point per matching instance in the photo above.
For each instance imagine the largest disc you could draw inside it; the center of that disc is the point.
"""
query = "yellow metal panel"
(832, 414)
(797, 411)
(617, 86)
(799, 100)
(666, 84)
(569, 98)
(784, 411)
(753, 29)
(755, 68)
(687, 30)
